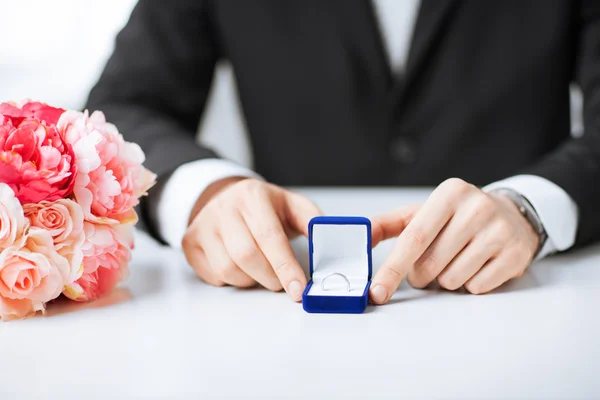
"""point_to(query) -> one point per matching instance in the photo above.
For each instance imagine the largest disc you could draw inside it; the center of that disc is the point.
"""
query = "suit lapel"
(363, 42)
(433, 16)
(363, 36)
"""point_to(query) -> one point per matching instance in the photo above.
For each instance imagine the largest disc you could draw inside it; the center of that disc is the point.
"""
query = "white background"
(55, 50)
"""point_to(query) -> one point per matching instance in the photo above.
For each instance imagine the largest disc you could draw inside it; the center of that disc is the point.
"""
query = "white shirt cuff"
(182, 189)
(556, 209)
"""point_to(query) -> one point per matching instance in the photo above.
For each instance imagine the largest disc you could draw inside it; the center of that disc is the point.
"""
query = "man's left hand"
(461, 236)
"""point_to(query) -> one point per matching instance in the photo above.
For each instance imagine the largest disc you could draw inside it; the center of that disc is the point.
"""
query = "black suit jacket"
(485, 94)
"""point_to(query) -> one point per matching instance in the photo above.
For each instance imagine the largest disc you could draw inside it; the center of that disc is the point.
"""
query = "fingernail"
(295, 290)
(378, 294)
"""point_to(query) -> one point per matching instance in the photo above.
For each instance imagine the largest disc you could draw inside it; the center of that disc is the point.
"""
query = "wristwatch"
(528, 212)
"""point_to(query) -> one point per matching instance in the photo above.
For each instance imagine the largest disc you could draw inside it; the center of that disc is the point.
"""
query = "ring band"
(336, 274)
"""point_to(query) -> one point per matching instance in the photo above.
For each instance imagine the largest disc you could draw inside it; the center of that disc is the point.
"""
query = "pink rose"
(35, 161)
(30, 275)
(63, 220)
(32, 110)
(13, 223)
(111, 178)
(106, 255)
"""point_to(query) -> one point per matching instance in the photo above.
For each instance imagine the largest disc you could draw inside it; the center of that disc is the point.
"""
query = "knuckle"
(191, 255)
(448, 281)
(250, 186)
(221, 204)
(502, 230)
(197, 263)
(493, 243)
(245, 195)
(427, 267)
(415, 235)
(394, 274)
(191, 236)
(266, 233)
(215, 282)
(520, 272)
(475, 288)
(274, 287)
(483, 203)
(206, 219)
(227, 271)
(416, 281)
(198, 269)
(247, 283)
(282, 267)
(422, 272)
(208, 277)
(245, 255)
(455, 186)
(480, 210)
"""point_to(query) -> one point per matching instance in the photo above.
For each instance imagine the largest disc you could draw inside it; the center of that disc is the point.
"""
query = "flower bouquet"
(69, 183)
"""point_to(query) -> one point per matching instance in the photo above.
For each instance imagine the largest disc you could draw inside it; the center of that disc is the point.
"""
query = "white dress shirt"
(557, 211)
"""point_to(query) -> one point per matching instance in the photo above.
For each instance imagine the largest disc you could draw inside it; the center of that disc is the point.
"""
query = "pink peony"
(63, 220)
(13, 223)
(110, 177)
(107, 251)
(35, 161)
(31, 110)
(30, 275)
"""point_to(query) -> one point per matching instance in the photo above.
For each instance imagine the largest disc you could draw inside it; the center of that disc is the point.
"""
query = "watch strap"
(529, 212)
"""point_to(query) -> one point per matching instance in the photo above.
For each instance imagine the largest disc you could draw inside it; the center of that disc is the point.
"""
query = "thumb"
(392, 224)
(298, 211)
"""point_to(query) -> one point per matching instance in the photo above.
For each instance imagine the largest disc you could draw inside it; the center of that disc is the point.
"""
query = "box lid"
(339, 244)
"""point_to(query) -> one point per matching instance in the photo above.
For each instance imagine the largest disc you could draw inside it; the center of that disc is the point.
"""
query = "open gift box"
(340, 265)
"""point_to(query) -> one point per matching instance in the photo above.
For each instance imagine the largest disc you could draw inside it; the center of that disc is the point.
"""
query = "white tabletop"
(165, 334)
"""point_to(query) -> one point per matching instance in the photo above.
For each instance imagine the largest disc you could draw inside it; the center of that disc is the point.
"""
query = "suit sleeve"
(155, 85)
(575, 166)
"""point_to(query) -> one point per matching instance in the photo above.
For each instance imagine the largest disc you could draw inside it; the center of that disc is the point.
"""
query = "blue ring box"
(338, 245)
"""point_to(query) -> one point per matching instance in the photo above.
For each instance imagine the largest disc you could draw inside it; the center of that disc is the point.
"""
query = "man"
(354, 92)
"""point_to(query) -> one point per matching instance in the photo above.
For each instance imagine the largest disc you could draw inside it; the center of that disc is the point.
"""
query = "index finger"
(265, 226)
(412, 243)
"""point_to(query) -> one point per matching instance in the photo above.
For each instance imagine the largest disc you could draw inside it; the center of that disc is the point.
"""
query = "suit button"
(403, 150)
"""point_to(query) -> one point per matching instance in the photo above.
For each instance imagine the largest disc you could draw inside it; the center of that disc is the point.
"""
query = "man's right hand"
(239, 234)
